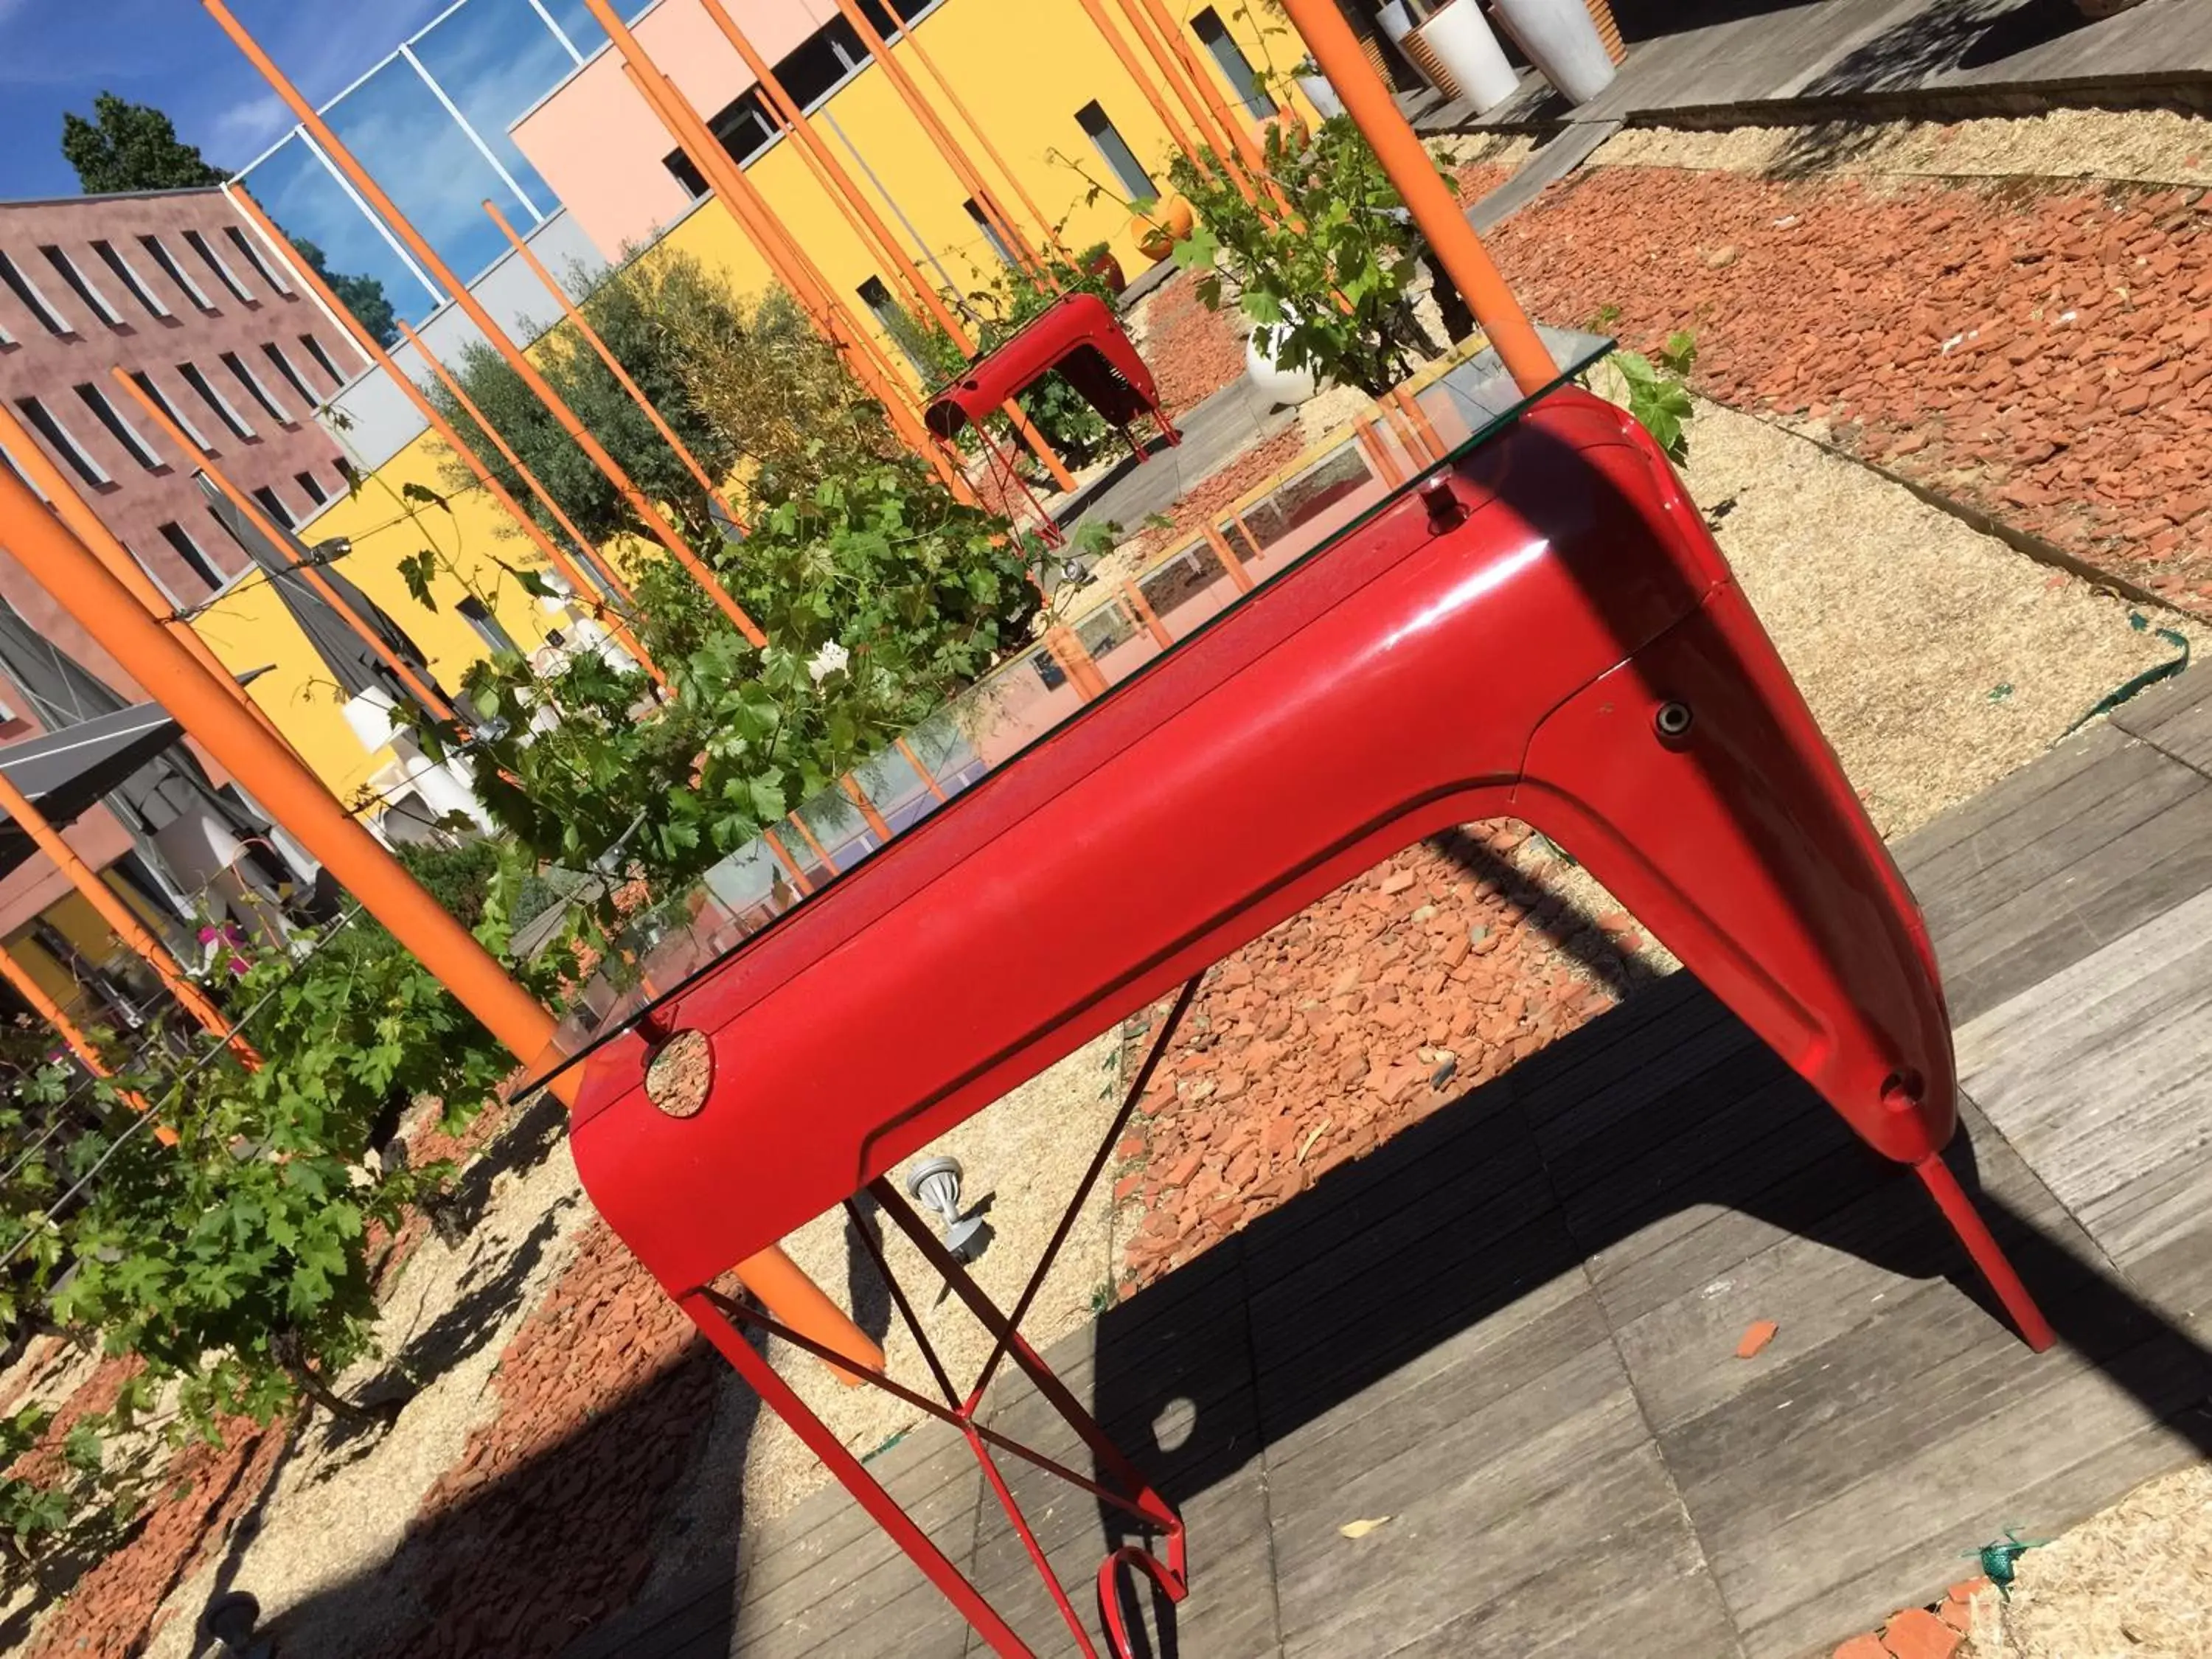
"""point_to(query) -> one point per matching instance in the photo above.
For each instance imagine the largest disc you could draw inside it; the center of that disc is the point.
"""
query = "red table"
(1078, 337)
(1537, 622)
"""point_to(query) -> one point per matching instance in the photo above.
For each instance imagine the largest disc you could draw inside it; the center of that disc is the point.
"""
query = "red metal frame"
(1078, 335)
(1547, 630)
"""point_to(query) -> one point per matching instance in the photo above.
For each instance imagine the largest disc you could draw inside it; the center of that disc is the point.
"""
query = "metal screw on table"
(935, 1186)
(1673, 719)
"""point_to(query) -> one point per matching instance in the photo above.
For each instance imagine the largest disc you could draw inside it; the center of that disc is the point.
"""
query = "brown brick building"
(174, 288)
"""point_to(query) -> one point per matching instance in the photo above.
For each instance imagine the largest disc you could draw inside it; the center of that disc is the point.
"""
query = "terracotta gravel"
(2037, 349)
(1396, 995)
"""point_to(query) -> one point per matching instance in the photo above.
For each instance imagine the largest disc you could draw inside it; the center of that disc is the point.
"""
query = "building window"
(1235, 67)
(254, 389)
(42, 422)
(1120, 158)
(119, 429)
(16, 467)
(37, 303)
(144, 382)
(273, 505)
(249, 250)
(65, 268)
(314, 490)
(679, 166)
(990, 232)
(275, 353)
(213, 261)
(215, 400)
(186, 548)
(127, 274)
(315, 350)
(158, 250)
(486, 626)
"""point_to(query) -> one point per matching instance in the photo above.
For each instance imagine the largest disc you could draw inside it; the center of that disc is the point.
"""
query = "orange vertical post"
(1096, 10)
(373, 350)
(648, 512)
(1049, 235)
(72, 1035)
(418, 687)
(921, 771)
(1147, 615)
(859, 797)
(1457, 248)
(61, 564)
(575, 313)
(862, 215)
(1164, 58)
(118, 915)
(70, 508)
(607, 617)
(1229, 561)
(1185, 55)
(947, 146)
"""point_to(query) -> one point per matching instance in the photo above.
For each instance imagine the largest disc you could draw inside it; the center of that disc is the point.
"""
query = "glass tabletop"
(1113, 631)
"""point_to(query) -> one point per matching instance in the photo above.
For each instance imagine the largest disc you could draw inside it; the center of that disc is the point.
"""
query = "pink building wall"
(599, 147)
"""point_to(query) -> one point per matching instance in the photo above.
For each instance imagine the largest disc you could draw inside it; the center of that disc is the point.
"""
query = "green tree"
(364, 296)
(127, 146)
(653, 313)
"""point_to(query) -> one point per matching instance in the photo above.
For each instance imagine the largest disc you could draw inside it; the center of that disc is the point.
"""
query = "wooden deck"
(1707, 56)
(1511, 1330)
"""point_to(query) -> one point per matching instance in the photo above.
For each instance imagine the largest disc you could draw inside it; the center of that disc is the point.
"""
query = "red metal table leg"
(1974, 1233)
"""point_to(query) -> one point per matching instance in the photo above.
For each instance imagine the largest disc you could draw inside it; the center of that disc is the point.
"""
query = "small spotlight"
(936, 1186)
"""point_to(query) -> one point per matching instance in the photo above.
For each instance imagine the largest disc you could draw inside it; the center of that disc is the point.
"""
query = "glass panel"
(668, 942)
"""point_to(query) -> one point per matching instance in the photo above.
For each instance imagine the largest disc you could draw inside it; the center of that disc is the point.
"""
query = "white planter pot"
(1321, 95)
(1279, 386)
(1463, 44)
(1397, 23)
(1562, 42)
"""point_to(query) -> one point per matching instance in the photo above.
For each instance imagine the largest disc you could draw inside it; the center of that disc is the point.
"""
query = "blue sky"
(494, 57)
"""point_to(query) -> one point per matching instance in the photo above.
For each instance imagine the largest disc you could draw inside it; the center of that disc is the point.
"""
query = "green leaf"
(415, 570)
(414, 492)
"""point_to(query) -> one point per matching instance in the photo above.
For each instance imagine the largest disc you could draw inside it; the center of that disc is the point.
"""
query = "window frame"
(18, 282)
(48, 425)
(196, 377)
(68, 270)
(176, 273)
(127, 273)
(94, 398)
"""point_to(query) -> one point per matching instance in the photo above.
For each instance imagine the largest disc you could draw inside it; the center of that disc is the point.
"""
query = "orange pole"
(121, 919)
(1050, 236)
(70, 508)
(955, 157)
(921, 771)
(71, 1035)
(790, 864)
(807, 836)
(1075, 662)
(1378, 451)
(1411, 406)
(1186, 56)
(648, 513)
(575, 313)
(373, 350)
(613, 622)
(61, 565)
(1096, 10)
(868, 224)
(1145, 614)
(1229, 561)
(416, 686)
(859, 797)
(1170, 71)
(745, 204)
(1457, 248)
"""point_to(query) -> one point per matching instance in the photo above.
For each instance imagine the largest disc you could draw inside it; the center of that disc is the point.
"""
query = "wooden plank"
(930, 1472)
(1889, 1440)
(2056, 921)
(2098, 1075)
(2134, 787)
(1642, 1589)
(1917, 852)
(1454, 1572)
